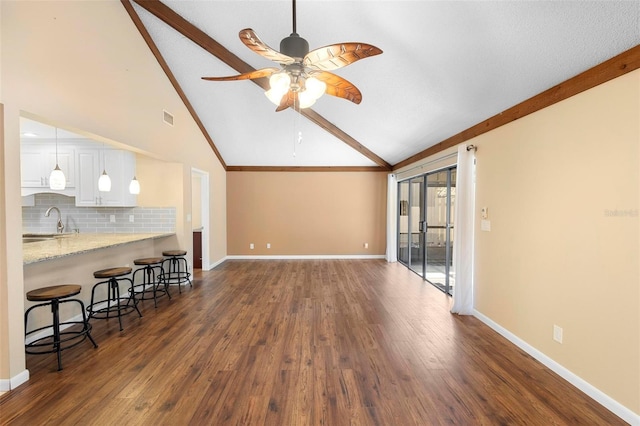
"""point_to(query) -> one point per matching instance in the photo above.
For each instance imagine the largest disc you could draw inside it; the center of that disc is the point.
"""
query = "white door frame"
(204, 212)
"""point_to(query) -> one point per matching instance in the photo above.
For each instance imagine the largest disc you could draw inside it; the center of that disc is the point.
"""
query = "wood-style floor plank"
(298, 342)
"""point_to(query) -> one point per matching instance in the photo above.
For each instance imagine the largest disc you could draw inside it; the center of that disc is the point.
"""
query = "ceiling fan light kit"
(304, 76)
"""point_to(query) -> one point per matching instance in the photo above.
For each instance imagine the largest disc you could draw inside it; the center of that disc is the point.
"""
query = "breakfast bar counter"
(55, 246)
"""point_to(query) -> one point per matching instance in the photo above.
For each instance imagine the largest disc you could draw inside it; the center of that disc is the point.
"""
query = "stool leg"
(85, 322)
(115, 294)
(186, 272)
(163, 278)
(56, 331)
(132, 296)
(175, 269)
(151, 279)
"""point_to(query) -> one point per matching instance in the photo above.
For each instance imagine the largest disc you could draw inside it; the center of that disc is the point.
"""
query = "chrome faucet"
(59, 226)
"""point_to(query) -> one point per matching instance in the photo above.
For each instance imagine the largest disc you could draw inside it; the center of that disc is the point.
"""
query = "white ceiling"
(446, 66)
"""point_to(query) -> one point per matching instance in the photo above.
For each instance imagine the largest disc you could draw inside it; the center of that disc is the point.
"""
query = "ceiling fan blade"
(338, 86)
(253, 42)
(264, 72)
(339, 55)
(288, 101)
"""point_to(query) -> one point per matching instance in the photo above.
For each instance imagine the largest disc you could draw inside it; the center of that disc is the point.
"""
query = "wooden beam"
(165, 67)
(199, 37)
(305, 169)
(615, 67)
(344, 137)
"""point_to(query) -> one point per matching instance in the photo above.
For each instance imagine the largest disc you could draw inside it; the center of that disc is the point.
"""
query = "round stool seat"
(53, 292)
(64, 334)
(174, 253)
(112, 272)
(148, 261)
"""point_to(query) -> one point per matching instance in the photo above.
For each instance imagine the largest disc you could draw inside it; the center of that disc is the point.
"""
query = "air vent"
(167, 118)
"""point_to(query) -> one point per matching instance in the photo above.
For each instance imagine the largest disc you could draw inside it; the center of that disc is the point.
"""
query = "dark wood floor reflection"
(300, 342)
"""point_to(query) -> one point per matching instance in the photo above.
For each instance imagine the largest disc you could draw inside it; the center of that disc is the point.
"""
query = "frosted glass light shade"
(279, 86)
(57, 181)
(306, 99)
(315, 87)
(104, 183)
(134, 186)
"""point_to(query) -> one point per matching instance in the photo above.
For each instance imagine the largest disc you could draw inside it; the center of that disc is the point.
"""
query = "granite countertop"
(70, 244)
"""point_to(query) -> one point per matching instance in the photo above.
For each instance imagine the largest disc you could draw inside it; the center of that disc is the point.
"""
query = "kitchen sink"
(43, 235)
(35, 239)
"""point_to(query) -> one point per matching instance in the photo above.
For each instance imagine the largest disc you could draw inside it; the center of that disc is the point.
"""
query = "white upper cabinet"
(119, 165)
(82, 163)
(38, 159)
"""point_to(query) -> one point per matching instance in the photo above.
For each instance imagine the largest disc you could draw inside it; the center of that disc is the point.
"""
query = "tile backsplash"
(95, 219)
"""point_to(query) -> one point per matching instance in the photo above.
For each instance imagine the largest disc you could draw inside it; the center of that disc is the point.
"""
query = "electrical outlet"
(557, 333)
(484, 212)
(251, 246)
(268, 245)
(112, 218)
(366, 245)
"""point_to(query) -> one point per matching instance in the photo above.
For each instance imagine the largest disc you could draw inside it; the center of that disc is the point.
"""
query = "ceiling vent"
(167, 118)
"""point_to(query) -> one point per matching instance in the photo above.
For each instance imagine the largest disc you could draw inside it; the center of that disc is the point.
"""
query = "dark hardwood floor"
(324, 342)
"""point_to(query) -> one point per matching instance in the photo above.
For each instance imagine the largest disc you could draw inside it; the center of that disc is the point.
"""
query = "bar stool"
(152, 272)
(175, 268)
(54, 296)
(114, 301)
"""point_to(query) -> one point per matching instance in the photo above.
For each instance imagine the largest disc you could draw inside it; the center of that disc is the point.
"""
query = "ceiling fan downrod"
(294, 45)
(294, 16)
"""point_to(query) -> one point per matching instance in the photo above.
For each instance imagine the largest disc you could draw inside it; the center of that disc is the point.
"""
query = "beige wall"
(84, 66)
(555, 254)
(320, 213)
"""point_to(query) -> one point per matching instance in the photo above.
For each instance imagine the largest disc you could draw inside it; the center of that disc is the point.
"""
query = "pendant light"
(134, 186)
(104, 182)
(57, 180)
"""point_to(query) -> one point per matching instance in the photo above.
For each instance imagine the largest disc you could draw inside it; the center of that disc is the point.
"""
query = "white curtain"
(463, 226)
(392, 219)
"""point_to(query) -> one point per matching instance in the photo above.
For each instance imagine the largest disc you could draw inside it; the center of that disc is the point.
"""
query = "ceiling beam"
(202, 39)
(305, 169)
(615, 67)
(165, 67)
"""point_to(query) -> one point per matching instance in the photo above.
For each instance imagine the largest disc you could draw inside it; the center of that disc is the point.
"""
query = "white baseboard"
(12, 383)
(597, 395)
(213, 265)
(305, 256)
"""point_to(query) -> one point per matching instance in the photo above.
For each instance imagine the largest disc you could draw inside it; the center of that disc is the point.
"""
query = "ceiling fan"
(304, 75)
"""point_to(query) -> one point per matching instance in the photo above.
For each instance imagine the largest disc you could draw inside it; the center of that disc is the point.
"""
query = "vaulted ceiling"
(446, 66)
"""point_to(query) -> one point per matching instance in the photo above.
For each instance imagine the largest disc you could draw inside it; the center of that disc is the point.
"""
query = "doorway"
(200, 218)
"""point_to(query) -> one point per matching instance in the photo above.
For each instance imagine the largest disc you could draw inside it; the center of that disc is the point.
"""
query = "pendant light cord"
(56, 147)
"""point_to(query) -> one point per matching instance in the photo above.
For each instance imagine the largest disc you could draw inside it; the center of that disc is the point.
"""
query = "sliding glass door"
(403, 222)
(440, 213)
(425, 226)
(416, 224)
(411, 223)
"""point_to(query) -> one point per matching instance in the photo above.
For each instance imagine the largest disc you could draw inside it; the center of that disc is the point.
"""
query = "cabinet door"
(31, 166)
(88, 172)
(37, 160)
(120, 165)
